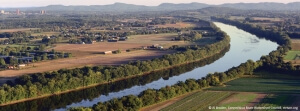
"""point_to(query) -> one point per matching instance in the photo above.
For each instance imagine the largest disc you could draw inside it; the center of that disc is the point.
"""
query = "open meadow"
(293, 56)
(264, 89)
(17, 30)
(177, 25)
(267, 85)
(46, 33)
(198, 101)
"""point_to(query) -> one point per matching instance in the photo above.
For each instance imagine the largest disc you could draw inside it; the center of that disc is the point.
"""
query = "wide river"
(244, 46)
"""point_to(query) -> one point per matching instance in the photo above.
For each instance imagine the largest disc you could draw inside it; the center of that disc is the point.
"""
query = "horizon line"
(144, 5)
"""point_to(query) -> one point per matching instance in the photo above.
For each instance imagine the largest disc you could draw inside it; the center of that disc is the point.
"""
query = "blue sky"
(29, 3)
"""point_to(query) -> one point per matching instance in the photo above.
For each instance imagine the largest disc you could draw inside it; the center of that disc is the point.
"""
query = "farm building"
(107, 52)
(21, 65)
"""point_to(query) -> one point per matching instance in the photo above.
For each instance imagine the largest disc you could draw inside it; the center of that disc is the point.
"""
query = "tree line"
(14, 34)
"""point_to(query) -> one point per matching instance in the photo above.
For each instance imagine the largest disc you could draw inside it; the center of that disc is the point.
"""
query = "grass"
(14, 45)
(265, 84)
(16, 30)
(198, 101)
(291, 55)
(277, 100)
(238, 100)
(281, 90)
(46, 33)
(178, 25)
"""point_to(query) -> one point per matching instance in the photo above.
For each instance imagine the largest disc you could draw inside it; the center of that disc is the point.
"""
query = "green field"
(198, 101)
(237, 100)
(291, 55)
(278, 100)
(13, 45)
(46, 33)
(266, 85)
(16, 45)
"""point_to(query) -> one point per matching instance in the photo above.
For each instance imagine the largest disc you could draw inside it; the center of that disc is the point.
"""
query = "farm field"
(92, 60)
(256, 84)
(3, 46)
(262, 89)
(280, 101)
(46, 33)
(198, 101)
(292, 55)
(81, 50)
(177, 25)
(16, 30)
(266, 18)
(295, 44)
(241, 99)
(136, 41)
(91, 54)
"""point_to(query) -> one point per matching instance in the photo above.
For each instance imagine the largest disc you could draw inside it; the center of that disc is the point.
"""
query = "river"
(244, 46)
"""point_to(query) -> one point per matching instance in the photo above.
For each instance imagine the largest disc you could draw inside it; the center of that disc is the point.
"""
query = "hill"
(122, 7)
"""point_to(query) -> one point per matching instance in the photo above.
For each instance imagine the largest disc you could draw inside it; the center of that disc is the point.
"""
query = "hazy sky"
(27, 3)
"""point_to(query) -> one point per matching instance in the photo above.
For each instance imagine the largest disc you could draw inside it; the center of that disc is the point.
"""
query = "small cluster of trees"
(192, 36)
(13, 55)
(51, 40)
(14, 34)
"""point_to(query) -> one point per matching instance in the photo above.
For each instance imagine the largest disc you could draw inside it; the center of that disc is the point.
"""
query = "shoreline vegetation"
(66, 80)
(50, 103)
(152, 96)
(93, 85)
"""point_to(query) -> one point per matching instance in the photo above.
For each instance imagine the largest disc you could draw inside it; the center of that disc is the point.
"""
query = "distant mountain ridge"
(122, 7)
